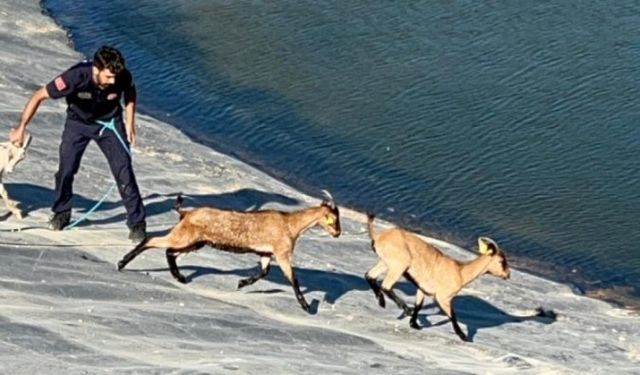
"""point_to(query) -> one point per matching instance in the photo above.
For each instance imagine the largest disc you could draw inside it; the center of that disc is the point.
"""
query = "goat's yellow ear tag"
(329, 220)
(482, 247)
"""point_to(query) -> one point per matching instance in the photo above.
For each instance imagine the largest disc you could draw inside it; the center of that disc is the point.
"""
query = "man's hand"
(16, 136)
(131, 136)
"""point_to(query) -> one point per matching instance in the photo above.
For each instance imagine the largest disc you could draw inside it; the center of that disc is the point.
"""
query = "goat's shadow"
(473, 312)
(333, 284)
(34, 197)
(477, 314)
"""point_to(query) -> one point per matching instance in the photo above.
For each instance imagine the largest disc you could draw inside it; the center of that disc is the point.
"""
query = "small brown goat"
(10, 155)
(268, 233)
(433, 273)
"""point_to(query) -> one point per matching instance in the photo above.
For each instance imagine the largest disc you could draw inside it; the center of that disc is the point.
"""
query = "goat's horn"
(328, 196)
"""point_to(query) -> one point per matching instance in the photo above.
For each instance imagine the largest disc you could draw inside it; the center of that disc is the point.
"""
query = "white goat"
(268, 233)
(10, 156)
(433, 273)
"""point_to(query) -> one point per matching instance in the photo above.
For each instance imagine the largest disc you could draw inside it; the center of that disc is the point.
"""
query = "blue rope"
(110, 125)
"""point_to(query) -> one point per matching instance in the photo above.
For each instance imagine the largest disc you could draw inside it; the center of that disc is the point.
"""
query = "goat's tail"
(372, 235)
(178, 206)
(178, 203)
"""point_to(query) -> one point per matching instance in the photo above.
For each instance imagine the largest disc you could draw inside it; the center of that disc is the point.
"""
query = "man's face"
(104, 77)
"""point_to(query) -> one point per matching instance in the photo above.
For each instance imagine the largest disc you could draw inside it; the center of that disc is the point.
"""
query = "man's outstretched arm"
(17, 134)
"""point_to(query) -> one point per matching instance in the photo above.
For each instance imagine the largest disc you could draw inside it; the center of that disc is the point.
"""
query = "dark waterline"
(452, 119)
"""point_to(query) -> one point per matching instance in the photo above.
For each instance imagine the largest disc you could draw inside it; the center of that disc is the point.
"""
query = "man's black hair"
(108, 58)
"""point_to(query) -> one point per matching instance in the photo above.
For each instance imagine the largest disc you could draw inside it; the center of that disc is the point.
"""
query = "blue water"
(517, 120)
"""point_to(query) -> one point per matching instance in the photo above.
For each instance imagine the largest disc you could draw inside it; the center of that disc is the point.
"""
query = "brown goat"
(268, 233)
(433, 273)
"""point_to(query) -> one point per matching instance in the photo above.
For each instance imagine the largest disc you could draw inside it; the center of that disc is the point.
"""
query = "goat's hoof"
(242, 284)
(181, 279)
(464, 337)
(414, 325)
(381, 302)
(121, 265)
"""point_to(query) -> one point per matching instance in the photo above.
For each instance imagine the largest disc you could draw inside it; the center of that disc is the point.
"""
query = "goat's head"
(498, 266)
(330, 219)
(17, 153)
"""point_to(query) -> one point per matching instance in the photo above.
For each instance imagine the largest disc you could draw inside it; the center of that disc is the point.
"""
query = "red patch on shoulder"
(60, 84)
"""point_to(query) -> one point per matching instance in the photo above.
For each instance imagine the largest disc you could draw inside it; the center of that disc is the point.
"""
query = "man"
(93, 91)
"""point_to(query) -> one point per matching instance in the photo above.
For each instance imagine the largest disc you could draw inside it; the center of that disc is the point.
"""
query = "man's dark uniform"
(88, 104)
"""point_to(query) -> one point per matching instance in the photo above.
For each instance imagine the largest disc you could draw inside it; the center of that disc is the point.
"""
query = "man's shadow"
(34, 197)
(238, 200)
(30, 198)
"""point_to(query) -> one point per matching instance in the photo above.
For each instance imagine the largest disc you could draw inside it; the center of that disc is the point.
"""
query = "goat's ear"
(487, 246)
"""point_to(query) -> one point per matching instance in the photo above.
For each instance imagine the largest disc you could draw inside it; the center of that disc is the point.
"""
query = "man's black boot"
(59, 220)
(138, 232)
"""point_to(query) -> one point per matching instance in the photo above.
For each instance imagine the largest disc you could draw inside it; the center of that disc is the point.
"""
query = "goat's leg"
(371, 277)
(173, 266)
(147, 243)
(376, 290)
(389, 281)
(172, 254)
(296, 288)
(142, 246)
(10, 205)
(287, 270)
(445, 305)
(420, 294)
(413, 323)
(264, 270)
